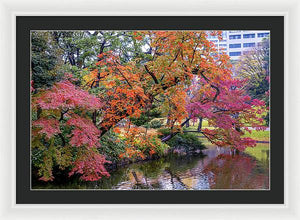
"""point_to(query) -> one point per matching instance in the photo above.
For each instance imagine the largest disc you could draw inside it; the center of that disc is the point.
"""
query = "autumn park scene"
(149, 110)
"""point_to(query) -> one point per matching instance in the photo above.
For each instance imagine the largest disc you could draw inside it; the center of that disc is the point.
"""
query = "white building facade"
(236, 43)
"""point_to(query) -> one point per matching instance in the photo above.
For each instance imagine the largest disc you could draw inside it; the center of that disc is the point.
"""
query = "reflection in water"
(235, 172)
(218, 168)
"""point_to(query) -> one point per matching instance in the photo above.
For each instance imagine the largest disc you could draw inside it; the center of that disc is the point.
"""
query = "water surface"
(217, 168)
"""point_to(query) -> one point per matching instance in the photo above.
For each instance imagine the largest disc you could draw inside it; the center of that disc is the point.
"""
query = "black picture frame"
(24, 24)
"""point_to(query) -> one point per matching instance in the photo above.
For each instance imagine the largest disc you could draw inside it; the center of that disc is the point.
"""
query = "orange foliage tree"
(176, 58)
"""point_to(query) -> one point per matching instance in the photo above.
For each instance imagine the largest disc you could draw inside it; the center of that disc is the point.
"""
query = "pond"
(217, 168)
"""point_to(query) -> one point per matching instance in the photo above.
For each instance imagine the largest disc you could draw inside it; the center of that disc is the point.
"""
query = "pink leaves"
(49, 127)
(46, 179)
(91, 165)
(229, 113)
(85, 132)
(67, 105)
(197, 109)
(66, 95)
(31, 86)
(246, 142)
(257, 102)
(225, 121)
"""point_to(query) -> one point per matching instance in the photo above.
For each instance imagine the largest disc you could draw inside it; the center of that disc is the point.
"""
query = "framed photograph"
(150, 110)
(24, 196)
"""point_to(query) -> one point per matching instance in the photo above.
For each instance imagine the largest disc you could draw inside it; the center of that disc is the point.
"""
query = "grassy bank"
(258, 135)
(259, 152)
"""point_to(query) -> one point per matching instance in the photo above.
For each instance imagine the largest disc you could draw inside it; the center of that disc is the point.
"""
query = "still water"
(217, 168)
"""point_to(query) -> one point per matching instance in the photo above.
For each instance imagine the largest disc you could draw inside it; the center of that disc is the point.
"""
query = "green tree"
(46, 59)
(254, 66)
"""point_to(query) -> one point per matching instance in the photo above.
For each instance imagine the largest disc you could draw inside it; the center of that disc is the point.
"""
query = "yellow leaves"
(50, 112)
(109, 83)
(140, 144)
(36, 139)
(63, 156)
(89, 78)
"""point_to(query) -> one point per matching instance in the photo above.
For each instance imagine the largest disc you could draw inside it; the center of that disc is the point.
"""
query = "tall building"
(236, 43)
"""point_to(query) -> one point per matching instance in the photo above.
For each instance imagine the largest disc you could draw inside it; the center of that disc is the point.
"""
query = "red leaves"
(66, 95)
(67, 105)
(46, 179)
(90, 164)
(229, 113)
(49, 127)
(139, 37)
(31, 86)
(257, 102)
(85, 132)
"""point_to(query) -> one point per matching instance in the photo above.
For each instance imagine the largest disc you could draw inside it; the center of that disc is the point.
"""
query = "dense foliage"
(254, 66)
(46, 63)
(119, 84)
(189, 142)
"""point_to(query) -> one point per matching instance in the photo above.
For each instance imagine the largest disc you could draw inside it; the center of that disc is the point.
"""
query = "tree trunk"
(200, 125)
(78, 63)
(128, 127)
(95, 117)
(169, 136)
(71, 58)
(187, 124)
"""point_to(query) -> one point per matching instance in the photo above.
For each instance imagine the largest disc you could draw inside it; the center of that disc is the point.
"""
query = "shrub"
(112, 145)
(187, 141)
(141, 145)
(163, 131)
(156, 124)
(161, 147)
